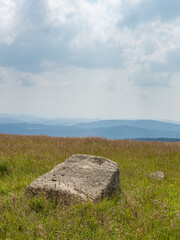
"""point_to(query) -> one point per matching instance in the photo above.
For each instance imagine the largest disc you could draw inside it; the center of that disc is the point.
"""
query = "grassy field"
(146, 209)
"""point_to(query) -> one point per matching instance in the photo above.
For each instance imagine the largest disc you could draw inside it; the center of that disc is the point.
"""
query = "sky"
(103, 59)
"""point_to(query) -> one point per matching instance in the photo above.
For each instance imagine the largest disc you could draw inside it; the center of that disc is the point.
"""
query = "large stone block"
(81, 177)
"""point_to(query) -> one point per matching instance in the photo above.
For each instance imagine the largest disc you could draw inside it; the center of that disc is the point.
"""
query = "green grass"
(146, 209)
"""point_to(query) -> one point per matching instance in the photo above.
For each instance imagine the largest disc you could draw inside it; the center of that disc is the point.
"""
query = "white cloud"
(7, 21)
(89, 50)
(84, 33)
(92, 21)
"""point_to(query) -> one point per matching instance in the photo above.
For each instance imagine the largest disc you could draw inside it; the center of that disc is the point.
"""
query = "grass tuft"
(4, 167)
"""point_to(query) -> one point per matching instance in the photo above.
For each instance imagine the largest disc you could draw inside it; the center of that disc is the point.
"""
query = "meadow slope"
(146, 209)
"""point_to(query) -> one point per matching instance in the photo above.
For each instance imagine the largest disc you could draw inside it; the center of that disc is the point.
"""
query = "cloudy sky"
(90, 58)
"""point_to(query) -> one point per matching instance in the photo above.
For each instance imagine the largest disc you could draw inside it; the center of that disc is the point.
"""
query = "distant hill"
(111, 129)
(147, 124)
(19, 118)
(162, 139)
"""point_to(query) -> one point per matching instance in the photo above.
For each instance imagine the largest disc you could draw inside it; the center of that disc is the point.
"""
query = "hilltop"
(146, 209)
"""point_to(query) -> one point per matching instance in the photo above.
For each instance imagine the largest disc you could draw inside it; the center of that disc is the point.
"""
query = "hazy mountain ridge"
(111, 129)
(18, 118)
(147, 124)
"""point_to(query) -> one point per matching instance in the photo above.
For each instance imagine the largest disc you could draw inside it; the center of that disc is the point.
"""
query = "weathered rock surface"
(157, 175)
(81, 177)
